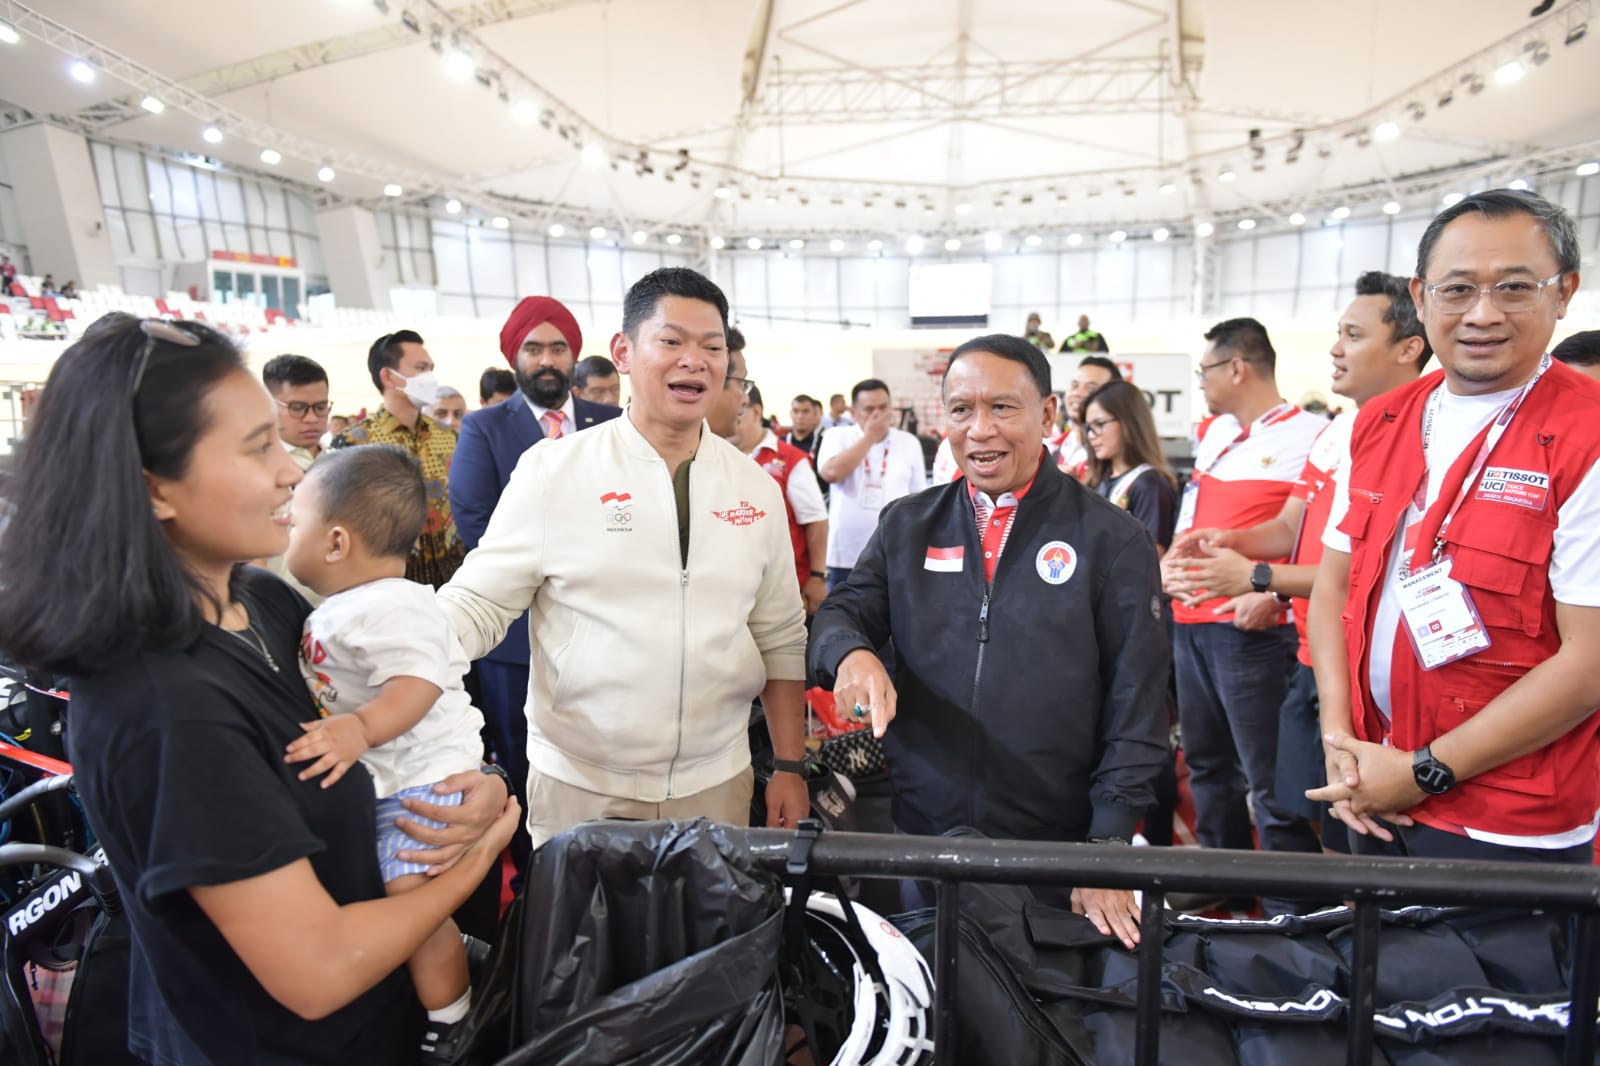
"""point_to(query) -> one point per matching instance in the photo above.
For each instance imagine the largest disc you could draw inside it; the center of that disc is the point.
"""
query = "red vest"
(780, 464)
(1501, 552)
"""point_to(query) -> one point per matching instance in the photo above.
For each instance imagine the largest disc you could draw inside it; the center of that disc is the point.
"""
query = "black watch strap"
(819, 574)
(790, 766)
(494, 770)
(1261, 577)
(1432, 776)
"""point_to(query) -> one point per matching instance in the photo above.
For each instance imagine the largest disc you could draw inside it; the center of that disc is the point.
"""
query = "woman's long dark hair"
(1126, 402)
(87, 574)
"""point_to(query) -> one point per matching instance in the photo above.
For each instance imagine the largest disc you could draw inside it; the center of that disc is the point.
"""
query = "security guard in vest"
(1458, 705)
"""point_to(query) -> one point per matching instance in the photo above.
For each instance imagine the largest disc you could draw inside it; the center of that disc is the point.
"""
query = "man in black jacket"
(1033, 697)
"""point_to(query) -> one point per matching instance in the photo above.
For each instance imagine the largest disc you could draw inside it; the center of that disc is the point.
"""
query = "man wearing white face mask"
(403, 372)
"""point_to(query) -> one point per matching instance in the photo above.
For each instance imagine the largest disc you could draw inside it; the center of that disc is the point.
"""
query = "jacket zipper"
(683, 671)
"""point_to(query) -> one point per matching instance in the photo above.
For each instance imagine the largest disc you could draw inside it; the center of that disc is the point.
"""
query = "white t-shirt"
(1574, 561)
(389, 628)
(893, 468)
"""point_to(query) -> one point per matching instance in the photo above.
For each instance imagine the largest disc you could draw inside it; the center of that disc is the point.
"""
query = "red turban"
(534, 311)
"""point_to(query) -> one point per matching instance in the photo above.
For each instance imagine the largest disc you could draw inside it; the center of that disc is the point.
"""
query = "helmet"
(891, 1001)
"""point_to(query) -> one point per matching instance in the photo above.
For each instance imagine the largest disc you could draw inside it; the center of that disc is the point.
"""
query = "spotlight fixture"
(1204, 229)
(1292, 156)
(500, 222)
(8, 33)
(1341, 212)
(1297, 219)
(1074, 239)
(1538, 52)
(1450, 199)
(1160, 233)
(452, 207)
(915, 244)
(1247, 223)
(382, 6)
(718, 243)
(963, 208)
(1416, 112)
(598, 233)
(211, 135)
(325, 174)
(1387, 131)
(1587, 170)
(411, 22)
(1117, 236)
(1226, 176)
(674, 238)
(992, 242)
(1447, 97)
(640, 237)
(836, 245)
(556, 229)
(796, 244)
(1167, 189)
(722, 192)
(524, 112)
(81, 72)
(392, 189)
(874, 245)
(1033, 240)
(459, 65)
(953, 244)
(1509, 73)
(1473, 82)
(1392, 207)
(593, 155)
(152, 105)
(1577, 33)
(1324, 150)
(271, 156)
(1520, 184)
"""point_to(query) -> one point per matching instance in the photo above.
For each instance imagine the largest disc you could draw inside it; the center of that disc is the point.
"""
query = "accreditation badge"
(1439, 616)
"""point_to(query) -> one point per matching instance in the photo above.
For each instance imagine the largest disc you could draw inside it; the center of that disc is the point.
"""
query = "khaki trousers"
(555, 806)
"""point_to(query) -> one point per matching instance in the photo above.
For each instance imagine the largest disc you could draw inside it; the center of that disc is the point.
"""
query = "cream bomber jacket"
(642, 669)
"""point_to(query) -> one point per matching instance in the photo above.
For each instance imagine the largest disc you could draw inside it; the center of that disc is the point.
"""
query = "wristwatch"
(789, 766)
(819, 574)
(495, 770)
(1433, 776)
(1261, 577)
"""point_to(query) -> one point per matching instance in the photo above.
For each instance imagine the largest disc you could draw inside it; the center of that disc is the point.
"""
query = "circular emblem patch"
(1056, 562)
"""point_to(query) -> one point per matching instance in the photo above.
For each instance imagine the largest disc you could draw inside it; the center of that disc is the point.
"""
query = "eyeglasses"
(744, 383)
(1200, 372)
(1094, 429)
(156, 329)
(1457, 297)
(300, 410)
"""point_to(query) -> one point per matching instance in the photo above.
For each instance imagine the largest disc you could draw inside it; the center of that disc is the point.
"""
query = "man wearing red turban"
(541, 340)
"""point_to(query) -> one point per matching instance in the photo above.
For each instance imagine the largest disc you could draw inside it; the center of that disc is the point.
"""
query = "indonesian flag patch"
(945, 560)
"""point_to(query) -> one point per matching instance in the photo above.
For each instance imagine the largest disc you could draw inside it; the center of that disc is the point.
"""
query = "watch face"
(1433, 778)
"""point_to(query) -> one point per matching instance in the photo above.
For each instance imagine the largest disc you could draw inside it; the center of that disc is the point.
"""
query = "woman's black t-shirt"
(179, 760)
(1153, 501)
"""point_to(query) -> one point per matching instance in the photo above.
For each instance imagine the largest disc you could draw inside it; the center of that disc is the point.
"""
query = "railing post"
(1152, 935)
(946, 948)
(1363, 984)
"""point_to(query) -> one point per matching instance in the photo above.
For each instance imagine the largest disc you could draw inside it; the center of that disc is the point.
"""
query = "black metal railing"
(1370, 882)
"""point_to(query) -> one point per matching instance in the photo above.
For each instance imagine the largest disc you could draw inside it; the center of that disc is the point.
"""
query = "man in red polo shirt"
(1380, 346)
(1458, 704)
(1232, 655)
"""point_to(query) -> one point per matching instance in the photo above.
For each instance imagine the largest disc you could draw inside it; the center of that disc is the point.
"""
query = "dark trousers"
(1231, 684)
(1301, 764)
(504, 691)
(1425, 842)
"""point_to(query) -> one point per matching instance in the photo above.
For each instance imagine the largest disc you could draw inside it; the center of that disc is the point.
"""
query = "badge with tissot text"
(1439, 616)
(1520, 488)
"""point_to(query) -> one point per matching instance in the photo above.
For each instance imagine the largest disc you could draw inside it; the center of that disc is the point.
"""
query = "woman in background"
(1126, 464)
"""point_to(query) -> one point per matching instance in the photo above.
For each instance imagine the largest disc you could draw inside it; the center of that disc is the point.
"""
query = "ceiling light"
(929, 208)
(836, 245)
(1247, 223)
(271, 156)
(1474, 83)
(1447, 97)
(1520, 184)
(963, 208)
(81, 71)
(392, 189)
(953, 244)
(459, 65)
(674, 238)
(1118, 236)
(993, 241)
(1392, 207)
(556, 229)
(1509, 73)
(211, 135)
(771, 200)
(722, 192)
(1161, 233)
(1074, 239)
(524, 111)
(1297, 219)
(500, 222)
(1577, 33)
(796, 244)
(1386, 131)
(718, 243)
(593, 155)
(1340, 212)
(1168, 189)
(1204, 229)
(640, 236)
(915, 244)
(1226, 176)
(1450, 199)
(325, 174)
(453, 207)
(1033, 240)
(598, 233)
(754, 244)
(1587, 170)
(9, 34)
(152, 105)
(874, 245)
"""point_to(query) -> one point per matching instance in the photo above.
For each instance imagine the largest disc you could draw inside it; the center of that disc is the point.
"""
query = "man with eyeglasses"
(299, 386)
(1458, 704)
(1232, 654)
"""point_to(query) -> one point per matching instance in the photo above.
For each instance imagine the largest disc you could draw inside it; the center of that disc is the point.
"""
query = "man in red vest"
(1458, 704)
(802, 499)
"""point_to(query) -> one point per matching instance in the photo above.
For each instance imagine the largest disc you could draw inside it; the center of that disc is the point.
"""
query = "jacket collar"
(639, 448)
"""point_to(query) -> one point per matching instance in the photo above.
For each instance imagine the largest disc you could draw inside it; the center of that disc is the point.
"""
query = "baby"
(385, 668)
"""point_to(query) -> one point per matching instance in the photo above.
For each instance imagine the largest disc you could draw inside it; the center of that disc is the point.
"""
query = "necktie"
(552, 422)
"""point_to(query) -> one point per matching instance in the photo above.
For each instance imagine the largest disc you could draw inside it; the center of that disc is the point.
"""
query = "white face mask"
(422, 390)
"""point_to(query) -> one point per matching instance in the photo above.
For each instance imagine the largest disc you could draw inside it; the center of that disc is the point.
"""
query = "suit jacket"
(488, 447)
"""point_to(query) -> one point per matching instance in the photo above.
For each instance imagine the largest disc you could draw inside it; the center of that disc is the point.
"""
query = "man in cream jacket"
(654, 561)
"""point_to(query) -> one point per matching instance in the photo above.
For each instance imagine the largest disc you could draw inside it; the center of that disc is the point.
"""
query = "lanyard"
(883, 467)
(1281, 411)
(1462, 476)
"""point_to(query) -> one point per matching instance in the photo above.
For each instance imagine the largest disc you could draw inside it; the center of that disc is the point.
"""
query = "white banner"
(1167, 381)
